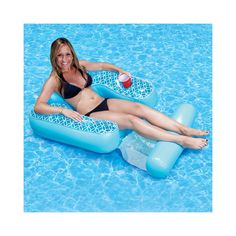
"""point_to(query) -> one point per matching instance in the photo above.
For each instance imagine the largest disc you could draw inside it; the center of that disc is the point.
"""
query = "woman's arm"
(42, 107)
(102, 66)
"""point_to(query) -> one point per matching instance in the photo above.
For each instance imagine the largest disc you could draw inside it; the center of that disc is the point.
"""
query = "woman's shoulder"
(53, 77)
(83, 62)
(90, 66)
(54, 80)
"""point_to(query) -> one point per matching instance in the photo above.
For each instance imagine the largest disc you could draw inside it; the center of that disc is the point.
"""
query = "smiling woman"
(71, 79)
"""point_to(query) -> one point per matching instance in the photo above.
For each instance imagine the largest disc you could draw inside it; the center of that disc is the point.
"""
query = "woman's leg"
(127, 121)
(153, 116)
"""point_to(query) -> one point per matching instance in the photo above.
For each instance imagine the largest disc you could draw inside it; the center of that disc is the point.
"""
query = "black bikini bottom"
(101, 107)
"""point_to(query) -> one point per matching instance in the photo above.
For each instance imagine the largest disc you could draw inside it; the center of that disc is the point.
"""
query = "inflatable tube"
(106, 84)
(95, 135)
(100, 136)
(164, 155)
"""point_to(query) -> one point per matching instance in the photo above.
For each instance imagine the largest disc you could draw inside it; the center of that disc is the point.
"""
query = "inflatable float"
(103, 136)
(156, 157)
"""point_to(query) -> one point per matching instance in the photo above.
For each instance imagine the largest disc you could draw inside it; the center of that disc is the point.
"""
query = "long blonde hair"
(53, 55)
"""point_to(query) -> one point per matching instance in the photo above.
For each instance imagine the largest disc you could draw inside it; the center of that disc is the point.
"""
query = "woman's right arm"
(41, 105)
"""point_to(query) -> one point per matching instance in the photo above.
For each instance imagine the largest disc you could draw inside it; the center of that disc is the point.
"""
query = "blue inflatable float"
(164, 155)
(103, 136)
(100, 136)
(156, 157)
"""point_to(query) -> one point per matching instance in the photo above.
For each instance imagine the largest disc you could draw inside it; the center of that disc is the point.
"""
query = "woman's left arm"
(102, 66)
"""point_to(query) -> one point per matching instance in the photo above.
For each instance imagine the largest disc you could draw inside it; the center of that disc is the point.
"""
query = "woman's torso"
(82, 97)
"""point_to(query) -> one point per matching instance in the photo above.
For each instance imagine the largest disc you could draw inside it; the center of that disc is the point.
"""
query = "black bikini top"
(70, 90)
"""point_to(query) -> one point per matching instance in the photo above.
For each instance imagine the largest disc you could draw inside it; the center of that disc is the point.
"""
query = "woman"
(69, 78)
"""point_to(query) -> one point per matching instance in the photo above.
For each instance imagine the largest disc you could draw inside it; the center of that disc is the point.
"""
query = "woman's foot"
(193, 143)
(193, 132)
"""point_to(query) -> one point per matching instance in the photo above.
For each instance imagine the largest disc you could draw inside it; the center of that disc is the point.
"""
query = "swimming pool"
(62, 178)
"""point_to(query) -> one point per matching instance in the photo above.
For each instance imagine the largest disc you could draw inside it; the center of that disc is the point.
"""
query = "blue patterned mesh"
(87, 125)
(140, 88)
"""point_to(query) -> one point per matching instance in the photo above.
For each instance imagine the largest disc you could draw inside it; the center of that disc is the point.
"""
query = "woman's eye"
(61, 55)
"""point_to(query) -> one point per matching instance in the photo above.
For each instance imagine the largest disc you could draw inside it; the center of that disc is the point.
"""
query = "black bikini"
(70, 91)
(101, 107)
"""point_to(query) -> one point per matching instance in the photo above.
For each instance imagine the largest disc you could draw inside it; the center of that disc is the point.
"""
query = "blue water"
(62, 178)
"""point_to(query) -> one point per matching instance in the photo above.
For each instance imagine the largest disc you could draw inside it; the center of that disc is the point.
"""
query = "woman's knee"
(131, 120)
(138, 109)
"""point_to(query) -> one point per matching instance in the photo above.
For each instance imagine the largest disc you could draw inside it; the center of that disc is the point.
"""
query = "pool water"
(178, 61)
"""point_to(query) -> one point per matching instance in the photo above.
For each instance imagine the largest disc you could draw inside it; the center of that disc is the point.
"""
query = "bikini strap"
(62, 77)
(82, 73)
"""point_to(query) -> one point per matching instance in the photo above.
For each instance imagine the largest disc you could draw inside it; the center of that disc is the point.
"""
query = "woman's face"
(64, 58)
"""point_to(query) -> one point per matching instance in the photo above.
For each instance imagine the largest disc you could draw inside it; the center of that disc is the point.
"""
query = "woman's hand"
(74, 115)
(125, 72)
